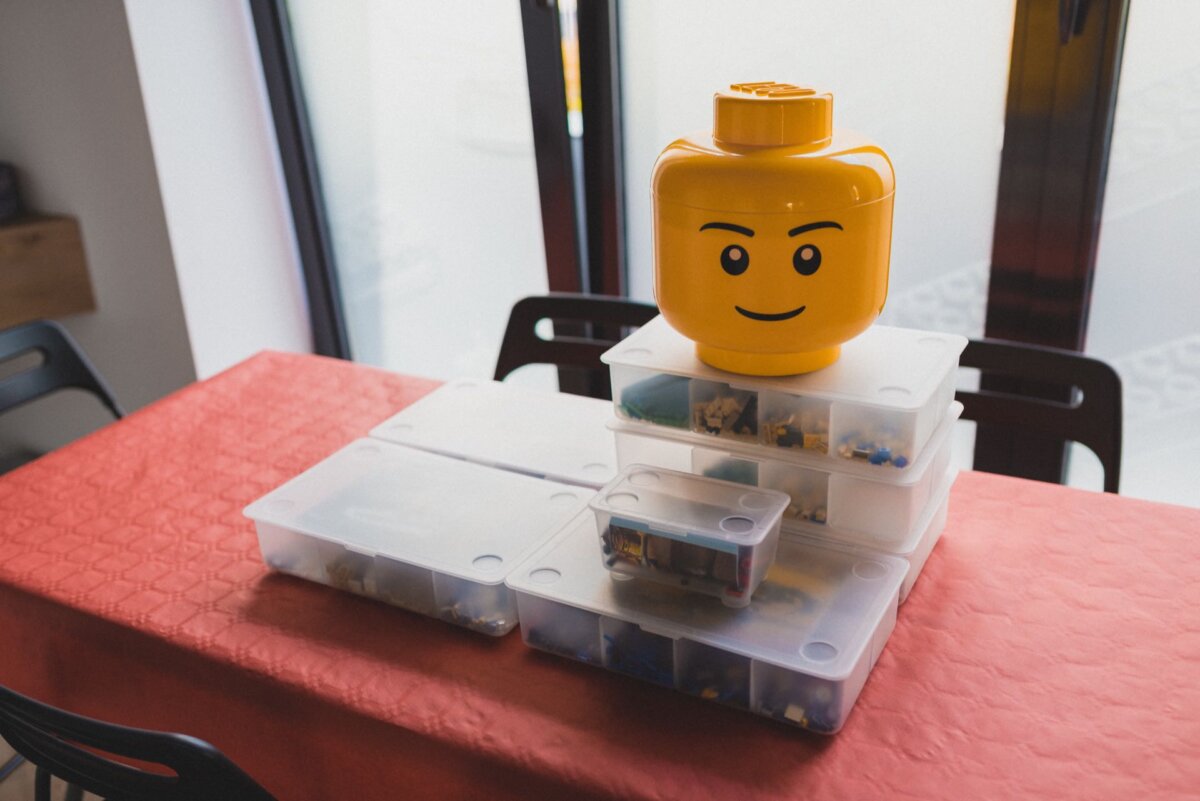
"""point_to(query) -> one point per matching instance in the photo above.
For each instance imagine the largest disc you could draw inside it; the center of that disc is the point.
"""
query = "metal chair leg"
(14, 762)
(41, 785)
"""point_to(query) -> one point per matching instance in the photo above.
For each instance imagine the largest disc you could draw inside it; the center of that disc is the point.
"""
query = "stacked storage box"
(714, 537)
(861, 447)
(749, 542)
(858, 452)
(800, 653)
(548, 435)
(444, 501)
(419, 530)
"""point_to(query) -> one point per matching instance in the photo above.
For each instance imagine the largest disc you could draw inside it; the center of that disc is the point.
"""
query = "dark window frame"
(1062, 98)
(302, 177)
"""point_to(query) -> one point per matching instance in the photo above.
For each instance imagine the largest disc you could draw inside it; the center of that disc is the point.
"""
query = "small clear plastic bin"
(425, 532)
(708, 536)
(550, 435)
(800, 653)
(881, 508)
(914, 549)
(877, 405)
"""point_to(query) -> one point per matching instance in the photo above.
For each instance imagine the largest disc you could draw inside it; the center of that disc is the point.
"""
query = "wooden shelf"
(43, 270)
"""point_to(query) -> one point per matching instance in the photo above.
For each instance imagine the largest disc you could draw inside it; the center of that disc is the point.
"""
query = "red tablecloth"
(1051, 649)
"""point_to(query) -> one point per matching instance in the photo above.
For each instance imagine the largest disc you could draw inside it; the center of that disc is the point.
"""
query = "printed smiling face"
(771, 283)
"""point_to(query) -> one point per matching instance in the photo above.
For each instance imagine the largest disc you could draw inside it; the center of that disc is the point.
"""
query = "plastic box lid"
(886, 367)
(815, 613)
(545, 434)
(443, 514)
(692, 505)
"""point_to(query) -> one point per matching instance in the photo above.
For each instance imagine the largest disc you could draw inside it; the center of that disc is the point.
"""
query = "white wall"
(71, 119)
(221, 183)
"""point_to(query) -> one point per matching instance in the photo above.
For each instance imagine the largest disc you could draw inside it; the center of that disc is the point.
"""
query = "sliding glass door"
(460, 156)
(1143, 312)
(925, 80)
(420, 121)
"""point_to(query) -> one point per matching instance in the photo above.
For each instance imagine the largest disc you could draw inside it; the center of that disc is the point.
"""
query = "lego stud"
(622, 500)
(819, 651)
(771, 114)
(545, 575)
(644, 478)
(737, 524)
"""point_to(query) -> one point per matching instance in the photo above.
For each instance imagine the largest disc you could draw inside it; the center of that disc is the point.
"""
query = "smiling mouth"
(769, 318)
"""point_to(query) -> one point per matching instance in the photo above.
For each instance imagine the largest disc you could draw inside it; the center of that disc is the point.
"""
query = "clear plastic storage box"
(882, 508)
(708, 536)
(914, 549)
(800, 653)
(544, 434)
(877, 405)
(425, 532)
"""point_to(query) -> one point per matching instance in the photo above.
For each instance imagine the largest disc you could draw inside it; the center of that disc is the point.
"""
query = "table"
(1050, 650)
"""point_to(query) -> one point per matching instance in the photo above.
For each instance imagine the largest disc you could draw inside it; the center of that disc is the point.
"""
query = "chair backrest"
(63, 366)
(584, 327)
(58, 742)
(1091, 417)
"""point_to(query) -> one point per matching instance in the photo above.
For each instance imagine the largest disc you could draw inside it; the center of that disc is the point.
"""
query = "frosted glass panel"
(926, 80)
(420, 113)
(1144, 301)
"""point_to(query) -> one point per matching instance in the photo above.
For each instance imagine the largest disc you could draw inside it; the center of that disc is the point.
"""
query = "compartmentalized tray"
(877, 405)
(800, 653)
(418, 530)
(551, 435)
(708, 536)
(882, 508)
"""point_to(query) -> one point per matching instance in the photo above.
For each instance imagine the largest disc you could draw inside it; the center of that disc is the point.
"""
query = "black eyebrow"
(799, 229)
(737, 229)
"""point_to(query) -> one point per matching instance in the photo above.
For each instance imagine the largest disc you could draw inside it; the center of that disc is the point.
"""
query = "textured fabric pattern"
(1051, 649)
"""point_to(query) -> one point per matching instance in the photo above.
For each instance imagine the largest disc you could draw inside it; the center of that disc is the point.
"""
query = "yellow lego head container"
(772, 237)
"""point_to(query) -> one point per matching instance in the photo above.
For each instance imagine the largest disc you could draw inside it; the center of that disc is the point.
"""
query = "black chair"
(63, 366)
(1091, 416)
(66, 745)
(585, 327)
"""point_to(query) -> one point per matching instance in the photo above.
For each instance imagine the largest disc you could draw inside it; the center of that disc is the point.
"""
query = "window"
(470, 155)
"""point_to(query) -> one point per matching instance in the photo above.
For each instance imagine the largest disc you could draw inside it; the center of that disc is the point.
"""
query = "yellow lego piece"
(817, 442)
